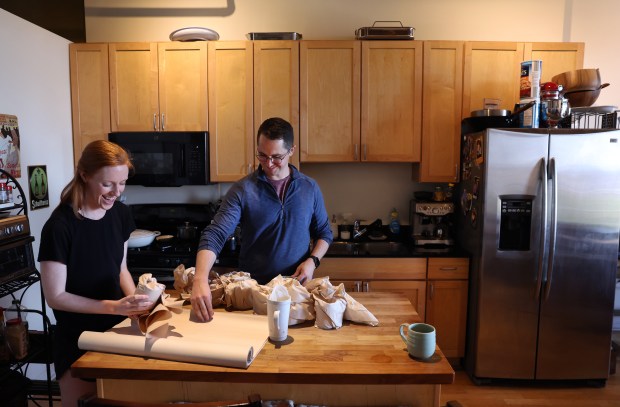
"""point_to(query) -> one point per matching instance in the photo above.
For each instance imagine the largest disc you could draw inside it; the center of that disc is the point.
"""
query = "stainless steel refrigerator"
(540, 214)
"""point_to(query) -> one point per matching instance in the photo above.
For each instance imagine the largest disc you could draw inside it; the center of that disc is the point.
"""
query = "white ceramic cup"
(277, 315)
(420, 339)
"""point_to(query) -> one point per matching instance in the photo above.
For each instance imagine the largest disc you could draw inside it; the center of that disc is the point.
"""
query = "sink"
(366, 249)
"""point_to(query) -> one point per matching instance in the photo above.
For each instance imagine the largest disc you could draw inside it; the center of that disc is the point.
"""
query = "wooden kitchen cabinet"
(441, 112)
(158, 86)
(493, 69)
(557, 57)
(231, 127)
(446, 303)
(276, 85)
(385, 77)
(391, 101)
(90, 94)
(404, 275)
(330, 81)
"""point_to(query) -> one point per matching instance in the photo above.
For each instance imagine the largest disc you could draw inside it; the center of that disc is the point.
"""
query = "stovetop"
(160, 258)
(167, 217)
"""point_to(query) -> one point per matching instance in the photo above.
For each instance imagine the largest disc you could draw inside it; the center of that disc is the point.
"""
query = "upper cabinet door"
(329, 99)
(183, 86)
(441, 118)
(391, 101)
(557, 57)
(491, 70)
(276, 85)
(90, 94)
(231, 130)
(134, 87)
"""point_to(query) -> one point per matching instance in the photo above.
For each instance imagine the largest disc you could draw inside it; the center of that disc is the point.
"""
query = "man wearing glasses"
(280, 210)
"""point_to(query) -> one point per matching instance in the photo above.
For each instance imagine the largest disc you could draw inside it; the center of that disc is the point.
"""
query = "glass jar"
(4, 196)
(438, 195)
(16, 331)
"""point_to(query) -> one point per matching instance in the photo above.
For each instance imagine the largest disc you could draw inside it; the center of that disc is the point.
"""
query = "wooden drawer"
(372, 268)
(448, 268)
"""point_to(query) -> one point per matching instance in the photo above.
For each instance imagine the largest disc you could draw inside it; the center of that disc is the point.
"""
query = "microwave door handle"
(181, 169)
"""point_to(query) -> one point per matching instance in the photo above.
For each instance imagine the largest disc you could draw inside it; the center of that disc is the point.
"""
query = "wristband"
(316, 261)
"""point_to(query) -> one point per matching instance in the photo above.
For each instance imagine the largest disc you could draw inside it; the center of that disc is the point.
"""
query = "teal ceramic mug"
(420, 339)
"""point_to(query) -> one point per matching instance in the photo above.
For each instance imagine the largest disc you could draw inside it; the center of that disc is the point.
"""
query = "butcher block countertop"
(353, 354)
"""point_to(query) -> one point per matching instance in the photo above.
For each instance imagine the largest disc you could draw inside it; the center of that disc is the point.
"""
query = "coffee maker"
(431, 223)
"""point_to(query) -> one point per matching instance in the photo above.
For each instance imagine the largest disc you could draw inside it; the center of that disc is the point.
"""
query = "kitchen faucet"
(356, 228)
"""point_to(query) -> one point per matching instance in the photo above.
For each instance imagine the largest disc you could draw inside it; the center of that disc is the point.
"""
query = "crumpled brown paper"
(238, 289)
(184, 279)
(328, 304)
(318, 299)
(148, 285)
(302, 303)
(154, 323)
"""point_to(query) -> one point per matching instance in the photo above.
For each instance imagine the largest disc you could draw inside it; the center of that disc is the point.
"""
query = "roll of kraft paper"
(171, 348)
(230, 339)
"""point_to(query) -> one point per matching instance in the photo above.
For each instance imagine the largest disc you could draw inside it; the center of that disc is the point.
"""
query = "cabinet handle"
(456, 172)
(365, 146)
(366, 287)
(431, 291)
(155, 121)
(357, 287)
(250, 168)
(355, 155)
(163, 122)
(447, 268)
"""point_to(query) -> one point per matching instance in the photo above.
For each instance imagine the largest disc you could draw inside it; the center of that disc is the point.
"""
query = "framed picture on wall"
(37, 185)
(10, 145)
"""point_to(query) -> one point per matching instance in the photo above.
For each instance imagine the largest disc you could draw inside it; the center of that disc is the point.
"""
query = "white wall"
(34, 86)
(593, 21)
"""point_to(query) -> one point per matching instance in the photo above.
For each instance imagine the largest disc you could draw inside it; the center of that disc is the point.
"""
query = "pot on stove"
(187, 231)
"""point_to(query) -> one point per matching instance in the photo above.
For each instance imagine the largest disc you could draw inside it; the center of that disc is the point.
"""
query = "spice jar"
(4, 196)
(16, 331)
(438, 195)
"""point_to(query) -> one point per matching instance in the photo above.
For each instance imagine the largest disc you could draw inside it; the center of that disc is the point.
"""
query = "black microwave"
(166, 159)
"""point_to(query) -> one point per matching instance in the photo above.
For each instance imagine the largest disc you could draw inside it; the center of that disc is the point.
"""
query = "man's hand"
(305, 271)
(201, 300)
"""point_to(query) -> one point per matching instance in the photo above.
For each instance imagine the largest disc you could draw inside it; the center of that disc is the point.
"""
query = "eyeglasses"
(276, 159)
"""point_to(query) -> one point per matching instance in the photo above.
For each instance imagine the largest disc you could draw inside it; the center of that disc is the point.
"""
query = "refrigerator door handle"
(543, 228)
(554, 223)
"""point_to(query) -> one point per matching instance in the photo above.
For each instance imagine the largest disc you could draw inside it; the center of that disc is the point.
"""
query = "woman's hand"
(135, 304)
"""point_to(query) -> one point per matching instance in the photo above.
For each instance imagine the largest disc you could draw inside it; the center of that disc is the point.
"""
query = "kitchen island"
(354, 365)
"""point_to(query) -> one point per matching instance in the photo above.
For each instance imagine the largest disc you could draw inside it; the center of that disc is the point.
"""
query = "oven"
(16, 255)
(162, 256)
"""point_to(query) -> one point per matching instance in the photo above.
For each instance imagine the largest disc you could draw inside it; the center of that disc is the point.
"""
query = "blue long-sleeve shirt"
(275, 235)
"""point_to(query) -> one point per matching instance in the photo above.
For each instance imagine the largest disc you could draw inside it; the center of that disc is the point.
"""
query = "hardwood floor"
(470, 395)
